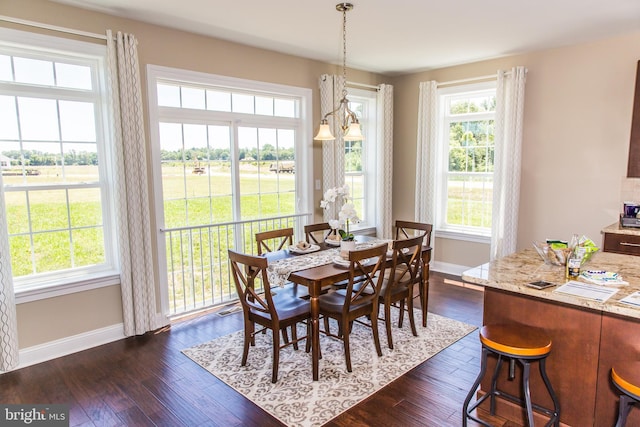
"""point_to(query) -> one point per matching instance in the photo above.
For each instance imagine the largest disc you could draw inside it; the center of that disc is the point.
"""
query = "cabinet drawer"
(622, 243)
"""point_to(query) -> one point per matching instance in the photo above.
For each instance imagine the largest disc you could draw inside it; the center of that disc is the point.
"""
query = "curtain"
(426, 153)
(385, 154)
(131, 191)
(8, 319)
(506, 175)
(332, 151)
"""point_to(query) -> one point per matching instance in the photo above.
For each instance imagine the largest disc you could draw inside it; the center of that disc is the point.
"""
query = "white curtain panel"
(131, 191)
(508, 147)
(426, 153)
(385, 154)
(8, 321)
(332, 151)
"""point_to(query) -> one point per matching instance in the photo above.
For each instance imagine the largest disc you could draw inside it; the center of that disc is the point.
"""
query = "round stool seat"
(627, 378)
(518, 340)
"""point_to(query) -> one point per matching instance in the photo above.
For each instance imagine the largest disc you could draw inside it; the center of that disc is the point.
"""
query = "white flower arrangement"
(347, 212)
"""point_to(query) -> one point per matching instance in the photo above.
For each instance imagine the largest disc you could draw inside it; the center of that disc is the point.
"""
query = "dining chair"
(317, 233)
(274, 240)
(275, 312)
(346, 307)
(406, 229)
(397, 287)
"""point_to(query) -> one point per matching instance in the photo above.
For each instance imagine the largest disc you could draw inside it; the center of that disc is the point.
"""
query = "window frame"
(37, 46)
(441, 228)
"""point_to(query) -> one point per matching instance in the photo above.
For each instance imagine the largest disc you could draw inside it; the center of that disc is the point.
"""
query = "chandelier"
(350, 124)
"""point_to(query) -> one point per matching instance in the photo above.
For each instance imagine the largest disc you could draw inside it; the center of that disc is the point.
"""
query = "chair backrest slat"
(367, 277)
(312, 232)
(274, 240)
(405, 262)
(407, 229)
(246, 269)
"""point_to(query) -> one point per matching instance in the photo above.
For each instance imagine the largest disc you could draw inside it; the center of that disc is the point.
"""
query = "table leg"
(315, 333)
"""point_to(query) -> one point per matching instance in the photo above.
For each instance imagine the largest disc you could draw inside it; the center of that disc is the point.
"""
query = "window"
(360, 158)
(54, 164)
(465, 160)
(230, 159)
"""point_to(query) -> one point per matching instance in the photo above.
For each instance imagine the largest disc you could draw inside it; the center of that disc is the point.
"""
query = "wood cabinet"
(628, 244)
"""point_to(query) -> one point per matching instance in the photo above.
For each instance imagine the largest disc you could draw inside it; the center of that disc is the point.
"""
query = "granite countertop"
(513, 272)
(615, 228)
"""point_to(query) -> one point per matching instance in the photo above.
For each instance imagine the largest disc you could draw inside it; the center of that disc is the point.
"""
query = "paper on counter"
(585, 290)
(633, 299)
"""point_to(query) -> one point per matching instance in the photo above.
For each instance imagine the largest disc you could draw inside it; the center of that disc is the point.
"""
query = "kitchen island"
(588, 336)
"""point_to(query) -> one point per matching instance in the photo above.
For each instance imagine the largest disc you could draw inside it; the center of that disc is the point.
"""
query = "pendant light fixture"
(349, 124)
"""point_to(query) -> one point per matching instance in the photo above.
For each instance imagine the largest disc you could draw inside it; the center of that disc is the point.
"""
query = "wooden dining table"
(320, 277)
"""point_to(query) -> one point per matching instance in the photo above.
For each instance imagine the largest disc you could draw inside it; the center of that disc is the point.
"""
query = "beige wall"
(577, 121)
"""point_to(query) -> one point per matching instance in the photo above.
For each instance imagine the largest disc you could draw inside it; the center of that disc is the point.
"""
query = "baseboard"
(68, 345)
(448, 268)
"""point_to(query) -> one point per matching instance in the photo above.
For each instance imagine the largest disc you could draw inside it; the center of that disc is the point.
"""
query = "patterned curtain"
(332, 151)
(8, 320)
(508, 147)
(426, 153)
(131, 191)
(385, 154)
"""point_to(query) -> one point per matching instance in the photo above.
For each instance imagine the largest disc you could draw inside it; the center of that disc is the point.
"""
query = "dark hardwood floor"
(147, 380)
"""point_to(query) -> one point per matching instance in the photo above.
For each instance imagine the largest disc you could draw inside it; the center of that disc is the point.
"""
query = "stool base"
(554, 414)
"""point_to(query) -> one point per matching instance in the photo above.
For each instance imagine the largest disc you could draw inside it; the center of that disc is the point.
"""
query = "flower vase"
(347, 246)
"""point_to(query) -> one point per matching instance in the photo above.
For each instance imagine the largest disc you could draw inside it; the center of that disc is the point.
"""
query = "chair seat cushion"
(288, 307)
(333, 302)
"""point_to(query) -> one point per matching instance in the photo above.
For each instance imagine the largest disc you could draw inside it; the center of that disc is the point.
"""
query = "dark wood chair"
(274, 240)
(272, 312)
(397, 287)
(407, 229)
(349, 305)
(317, 233)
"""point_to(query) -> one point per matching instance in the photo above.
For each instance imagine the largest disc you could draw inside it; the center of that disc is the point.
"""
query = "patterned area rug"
(295, 399)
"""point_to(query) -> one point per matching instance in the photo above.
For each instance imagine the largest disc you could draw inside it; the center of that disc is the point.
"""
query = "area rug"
(295, 399)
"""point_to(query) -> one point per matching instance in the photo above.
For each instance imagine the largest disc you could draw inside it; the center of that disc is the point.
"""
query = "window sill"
(39, 292)
(457, 235)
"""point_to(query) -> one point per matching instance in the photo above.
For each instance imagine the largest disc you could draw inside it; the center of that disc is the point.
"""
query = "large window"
(360, 158)
(54, 163)
(466, 158)
(231, 158)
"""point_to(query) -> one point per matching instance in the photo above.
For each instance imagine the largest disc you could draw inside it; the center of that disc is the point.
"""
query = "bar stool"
(514, 342)
(625, 378)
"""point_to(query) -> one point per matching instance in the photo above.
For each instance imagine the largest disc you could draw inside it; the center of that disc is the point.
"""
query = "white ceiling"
(389, 36)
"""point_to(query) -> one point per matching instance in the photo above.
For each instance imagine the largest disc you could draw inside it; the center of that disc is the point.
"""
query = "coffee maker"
(630, 216)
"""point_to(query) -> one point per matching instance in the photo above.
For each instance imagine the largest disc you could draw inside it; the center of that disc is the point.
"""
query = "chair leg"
(294, 335)
(623, 409)
(374, 329)
(412, 320)
(554, 398)
(276, 356)
(401, 314)
(347, 351)
(474, 387)
(248, 339)
(526, 368)
(387, 324)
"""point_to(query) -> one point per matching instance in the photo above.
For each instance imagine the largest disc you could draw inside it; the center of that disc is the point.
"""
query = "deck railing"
(198, 274)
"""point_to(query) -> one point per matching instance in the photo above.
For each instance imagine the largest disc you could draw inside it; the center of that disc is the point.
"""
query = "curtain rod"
(362, 85)
(472, 79)
(52, 27)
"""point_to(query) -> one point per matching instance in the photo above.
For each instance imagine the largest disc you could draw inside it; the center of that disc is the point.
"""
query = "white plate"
(297, 250)
(341, 261)
(332, 242)
(346, 263)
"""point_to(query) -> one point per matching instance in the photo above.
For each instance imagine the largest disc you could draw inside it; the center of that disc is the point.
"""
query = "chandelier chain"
(344, 49)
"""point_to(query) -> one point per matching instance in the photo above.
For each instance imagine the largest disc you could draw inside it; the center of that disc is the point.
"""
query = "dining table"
(317, 270)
